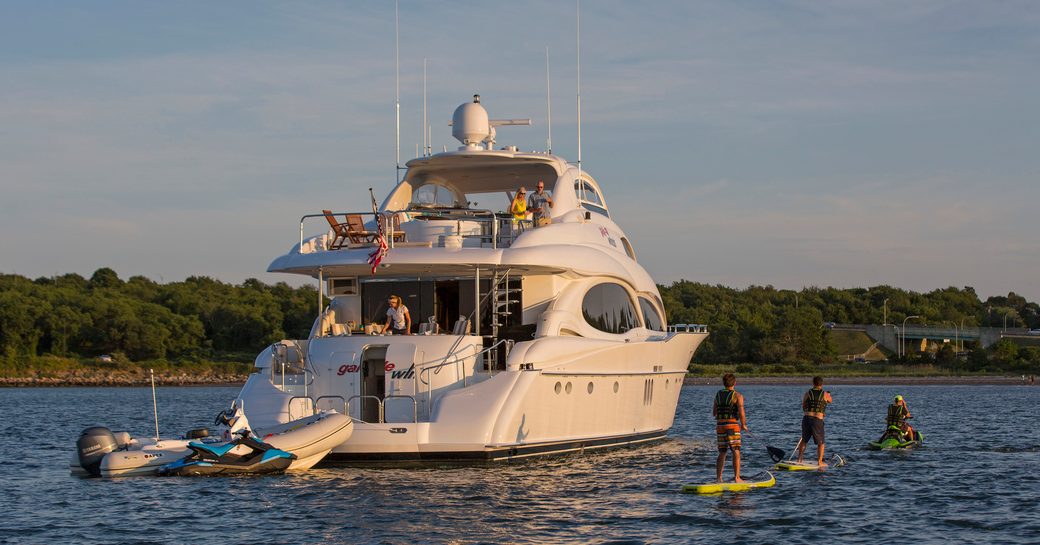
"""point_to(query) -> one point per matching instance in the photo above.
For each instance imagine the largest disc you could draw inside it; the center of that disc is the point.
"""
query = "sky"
(784, 143)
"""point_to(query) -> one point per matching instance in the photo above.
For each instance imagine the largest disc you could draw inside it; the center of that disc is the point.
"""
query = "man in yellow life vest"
(728, 410)
(814, 406)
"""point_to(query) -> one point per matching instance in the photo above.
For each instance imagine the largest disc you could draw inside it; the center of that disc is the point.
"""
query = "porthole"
(568, 388)
(558, 387)
(590, 387)
(616, 386)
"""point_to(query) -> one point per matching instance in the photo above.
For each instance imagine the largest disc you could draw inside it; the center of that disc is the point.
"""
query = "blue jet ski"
(242, 455)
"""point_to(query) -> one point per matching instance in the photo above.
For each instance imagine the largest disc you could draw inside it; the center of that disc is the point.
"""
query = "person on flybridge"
(537, 203)
(518, 208)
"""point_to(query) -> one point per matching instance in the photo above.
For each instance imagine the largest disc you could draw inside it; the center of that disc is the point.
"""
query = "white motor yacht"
(525, 339)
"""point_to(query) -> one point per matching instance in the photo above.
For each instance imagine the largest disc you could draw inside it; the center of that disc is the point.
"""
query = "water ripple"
(963, 487)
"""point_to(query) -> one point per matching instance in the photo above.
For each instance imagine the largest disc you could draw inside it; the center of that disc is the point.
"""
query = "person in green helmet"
(898, 414)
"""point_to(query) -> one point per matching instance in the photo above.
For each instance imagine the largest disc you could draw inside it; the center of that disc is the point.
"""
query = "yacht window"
(607, 307)
(433, 195)
(589, 198)
(650, 316)
(591, 195)
(628, 248)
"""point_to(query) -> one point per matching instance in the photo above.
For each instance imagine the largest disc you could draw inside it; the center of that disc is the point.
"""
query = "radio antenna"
(397, 93)
(578, 5)
(425, 139)
(155, 406)
(548, 102)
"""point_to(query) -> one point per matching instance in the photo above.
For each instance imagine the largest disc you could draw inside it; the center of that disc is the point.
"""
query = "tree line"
(200, 318)
(762, 324)
(196, 319)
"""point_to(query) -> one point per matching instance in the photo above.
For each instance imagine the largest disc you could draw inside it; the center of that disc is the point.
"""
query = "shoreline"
(938, 380)
(228, 380)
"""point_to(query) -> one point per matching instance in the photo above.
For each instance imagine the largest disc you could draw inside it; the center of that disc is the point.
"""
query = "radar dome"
(470, 124)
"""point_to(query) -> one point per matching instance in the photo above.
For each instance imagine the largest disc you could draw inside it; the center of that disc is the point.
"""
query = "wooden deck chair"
(340, 231)
(356, 230)
(398, 234)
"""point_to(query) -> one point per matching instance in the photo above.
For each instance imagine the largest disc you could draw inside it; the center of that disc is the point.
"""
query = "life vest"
(726, 406)
(814, 402)
(896, 414)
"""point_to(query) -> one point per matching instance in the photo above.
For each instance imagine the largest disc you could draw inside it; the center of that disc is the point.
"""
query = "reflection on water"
(974, 480)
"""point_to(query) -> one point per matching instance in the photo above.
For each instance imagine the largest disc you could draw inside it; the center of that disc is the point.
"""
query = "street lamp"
(956, 333)
(902, 342)
(962, 329)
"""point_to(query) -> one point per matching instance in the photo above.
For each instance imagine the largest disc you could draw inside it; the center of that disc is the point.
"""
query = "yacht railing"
(317, 402)
(415, 405)
(496, 228)
(455, 361)
(379, 403)
(290, 408)
(688, 328)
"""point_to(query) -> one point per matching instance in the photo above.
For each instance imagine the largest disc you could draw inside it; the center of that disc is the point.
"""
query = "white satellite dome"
(469, 123)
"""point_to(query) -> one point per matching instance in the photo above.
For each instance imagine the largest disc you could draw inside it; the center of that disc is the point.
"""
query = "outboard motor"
(92, 446)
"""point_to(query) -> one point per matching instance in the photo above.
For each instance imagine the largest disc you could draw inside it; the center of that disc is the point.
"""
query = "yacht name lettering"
(344, 369)
(407, 373)
(389, 367)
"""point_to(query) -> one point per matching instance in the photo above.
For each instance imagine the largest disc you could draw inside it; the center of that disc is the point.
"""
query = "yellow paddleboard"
(795, 466)
(763, 480)
(791, 465)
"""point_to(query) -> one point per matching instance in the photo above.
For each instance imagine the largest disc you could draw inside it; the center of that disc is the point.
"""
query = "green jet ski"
(893, 438)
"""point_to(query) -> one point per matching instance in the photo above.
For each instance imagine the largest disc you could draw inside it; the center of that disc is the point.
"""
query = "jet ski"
(894, 438)
(104, 453)
(228, 458)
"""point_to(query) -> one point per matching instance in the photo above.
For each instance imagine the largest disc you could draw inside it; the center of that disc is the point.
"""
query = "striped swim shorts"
(728, 436)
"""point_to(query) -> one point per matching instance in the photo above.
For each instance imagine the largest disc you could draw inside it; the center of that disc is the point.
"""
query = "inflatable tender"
(104, 453)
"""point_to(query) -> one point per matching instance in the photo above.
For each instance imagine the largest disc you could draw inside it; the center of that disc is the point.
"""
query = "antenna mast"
(397, 94)
(426, 141)
(548, 102)
(578, 4)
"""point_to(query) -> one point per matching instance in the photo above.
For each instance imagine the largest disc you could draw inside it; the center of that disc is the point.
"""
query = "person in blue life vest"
(814, 407)
(728, 410)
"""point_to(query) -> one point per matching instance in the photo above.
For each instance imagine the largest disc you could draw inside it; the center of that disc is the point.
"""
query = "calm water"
(976, 480)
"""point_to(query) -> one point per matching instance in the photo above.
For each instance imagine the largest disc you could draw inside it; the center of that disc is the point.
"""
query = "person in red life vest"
(814, 406)
(728, 410)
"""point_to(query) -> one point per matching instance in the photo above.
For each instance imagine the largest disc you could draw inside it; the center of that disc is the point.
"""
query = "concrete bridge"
(888, 335)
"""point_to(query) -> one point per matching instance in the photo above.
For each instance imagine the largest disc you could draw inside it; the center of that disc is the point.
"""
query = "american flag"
(379, 253)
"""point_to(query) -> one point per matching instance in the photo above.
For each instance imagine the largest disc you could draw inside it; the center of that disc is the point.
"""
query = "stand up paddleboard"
(762, 480)
(791, 465)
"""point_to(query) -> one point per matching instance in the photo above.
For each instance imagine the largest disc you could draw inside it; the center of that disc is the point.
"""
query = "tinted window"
(591, 195)
(608, 308)
(650, 315)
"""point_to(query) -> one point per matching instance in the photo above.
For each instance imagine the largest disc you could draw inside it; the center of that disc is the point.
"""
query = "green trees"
(762, 324)
(200, 317)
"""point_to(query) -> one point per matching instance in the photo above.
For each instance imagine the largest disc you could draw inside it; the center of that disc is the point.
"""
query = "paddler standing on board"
(814, 405)
(728, 410)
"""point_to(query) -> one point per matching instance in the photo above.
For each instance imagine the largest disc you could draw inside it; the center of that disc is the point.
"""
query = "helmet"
(899, 398)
